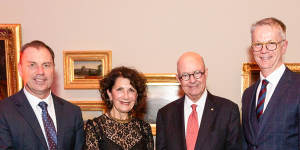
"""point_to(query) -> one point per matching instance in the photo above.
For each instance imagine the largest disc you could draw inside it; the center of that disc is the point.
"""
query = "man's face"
(37, 71)
(268, 60)
(193, 87)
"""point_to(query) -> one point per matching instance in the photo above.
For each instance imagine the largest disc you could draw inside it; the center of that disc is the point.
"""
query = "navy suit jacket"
(219, 129)
(20, 129)
(280, 124)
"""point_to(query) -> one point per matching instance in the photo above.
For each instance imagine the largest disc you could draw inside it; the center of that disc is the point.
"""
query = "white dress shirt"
(34, 102)
(188, 108)
(273, 79)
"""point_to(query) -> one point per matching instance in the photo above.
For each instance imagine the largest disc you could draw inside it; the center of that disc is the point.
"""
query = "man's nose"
(40, 70)
(192, 78)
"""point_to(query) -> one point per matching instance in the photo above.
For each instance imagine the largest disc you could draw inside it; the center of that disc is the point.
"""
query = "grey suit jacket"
(280, 125)
(219, 129)
(20, 130)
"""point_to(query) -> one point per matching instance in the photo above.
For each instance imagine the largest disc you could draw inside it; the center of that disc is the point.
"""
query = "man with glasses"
(271, 106)
(198, 120)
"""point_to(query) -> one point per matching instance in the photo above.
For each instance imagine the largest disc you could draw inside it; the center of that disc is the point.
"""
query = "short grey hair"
(273, 22)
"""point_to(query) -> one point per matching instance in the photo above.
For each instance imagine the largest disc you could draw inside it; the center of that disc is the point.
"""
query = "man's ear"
(20, 69)
(284, 47)
(177, 78)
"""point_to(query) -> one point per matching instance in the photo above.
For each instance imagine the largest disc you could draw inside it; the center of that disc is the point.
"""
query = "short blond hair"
(273, 22)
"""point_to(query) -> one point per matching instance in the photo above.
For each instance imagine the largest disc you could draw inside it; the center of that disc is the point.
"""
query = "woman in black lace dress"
(122, 90)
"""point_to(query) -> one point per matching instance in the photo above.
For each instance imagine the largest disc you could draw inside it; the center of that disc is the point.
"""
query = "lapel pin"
(212, 109)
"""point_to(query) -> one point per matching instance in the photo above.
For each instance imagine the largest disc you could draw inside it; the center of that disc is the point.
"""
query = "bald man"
(198, 120)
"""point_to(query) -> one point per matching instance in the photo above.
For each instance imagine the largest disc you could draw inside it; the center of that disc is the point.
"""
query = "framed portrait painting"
(10, 43)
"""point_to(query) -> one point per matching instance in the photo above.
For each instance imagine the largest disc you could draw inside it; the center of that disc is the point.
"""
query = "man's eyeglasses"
(271, 45)
(197, 74)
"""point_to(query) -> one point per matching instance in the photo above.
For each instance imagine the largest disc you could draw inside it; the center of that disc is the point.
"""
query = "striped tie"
(49, 127)
(261, 99)
(192, 129)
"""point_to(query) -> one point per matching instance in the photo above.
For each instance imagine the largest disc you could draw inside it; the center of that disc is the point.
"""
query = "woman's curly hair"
(137, 80)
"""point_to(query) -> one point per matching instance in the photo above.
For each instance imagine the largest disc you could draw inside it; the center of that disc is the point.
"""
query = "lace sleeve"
(149, 136)
(91, 138)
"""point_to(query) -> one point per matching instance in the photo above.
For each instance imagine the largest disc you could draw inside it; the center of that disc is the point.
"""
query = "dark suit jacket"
(219, 130)
(280, 124)
(20, 129)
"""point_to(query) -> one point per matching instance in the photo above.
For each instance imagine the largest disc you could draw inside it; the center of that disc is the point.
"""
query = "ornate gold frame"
(70, 56)
(90, 105)
(11, 34)
(250, 69)
(161, 79)
(152, 79)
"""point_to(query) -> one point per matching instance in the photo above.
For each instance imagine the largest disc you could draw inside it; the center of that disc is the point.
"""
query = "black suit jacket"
(20, 129)
(219, 130)
(279, 127)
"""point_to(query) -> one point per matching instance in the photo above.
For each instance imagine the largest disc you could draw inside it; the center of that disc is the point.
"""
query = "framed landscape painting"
(84, 69)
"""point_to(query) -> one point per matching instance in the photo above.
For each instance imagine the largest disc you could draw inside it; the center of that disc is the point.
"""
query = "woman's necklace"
(119, 120)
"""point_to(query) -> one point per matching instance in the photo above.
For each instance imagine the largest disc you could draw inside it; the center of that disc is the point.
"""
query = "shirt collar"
(34, 101)
(275, 76)
(200, 102)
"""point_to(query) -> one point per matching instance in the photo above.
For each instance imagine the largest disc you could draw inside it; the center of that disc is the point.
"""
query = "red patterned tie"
(192, 129)
(261, 99)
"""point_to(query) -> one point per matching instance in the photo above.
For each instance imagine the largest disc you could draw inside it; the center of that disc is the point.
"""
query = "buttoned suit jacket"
(20, 129)
(220, 127)
(280, 124)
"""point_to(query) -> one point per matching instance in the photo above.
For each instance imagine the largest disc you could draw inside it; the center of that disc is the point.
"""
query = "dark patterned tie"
(49, 127)
(261, 99)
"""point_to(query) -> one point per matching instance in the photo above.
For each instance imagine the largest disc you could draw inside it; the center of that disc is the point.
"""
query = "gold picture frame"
(161, 79)
(10, 43)
(250, 73)
(84, 69)
(153, 79)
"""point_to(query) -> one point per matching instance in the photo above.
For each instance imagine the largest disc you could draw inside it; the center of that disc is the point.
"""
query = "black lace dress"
(104, 133)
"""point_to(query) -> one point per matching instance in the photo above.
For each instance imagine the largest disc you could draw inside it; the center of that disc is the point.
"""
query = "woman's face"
(123, 95)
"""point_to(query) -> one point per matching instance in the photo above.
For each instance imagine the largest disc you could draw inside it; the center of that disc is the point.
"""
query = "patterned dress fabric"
(104, 133)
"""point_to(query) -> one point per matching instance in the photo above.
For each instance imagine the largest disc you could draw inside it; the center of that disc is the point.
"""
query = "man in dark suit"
(34, 118)
(271, 106)
(199, 120)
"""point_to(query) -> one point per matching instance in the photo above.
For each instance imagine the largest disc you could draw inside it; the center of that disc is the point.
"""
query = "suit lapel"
(58, 106)
(251, 99)
(25, 110)
(207, 122)
(275, 100)
(180, 126)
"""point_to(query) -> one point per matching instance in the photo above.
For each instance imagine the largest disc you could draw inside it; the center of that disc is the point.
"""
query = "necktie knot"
(43, 105)
(265, 82)
(194, 106)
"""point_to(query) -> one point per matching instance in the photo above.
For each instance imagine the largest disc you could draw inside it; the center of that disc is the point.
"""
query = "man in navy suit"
(34, 118)
(198, 120)
(271, 106)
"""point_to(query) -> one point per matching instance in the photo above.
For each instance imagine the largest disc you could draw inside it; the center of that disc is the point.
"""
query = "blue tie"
(261, 99)
(49, 127)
